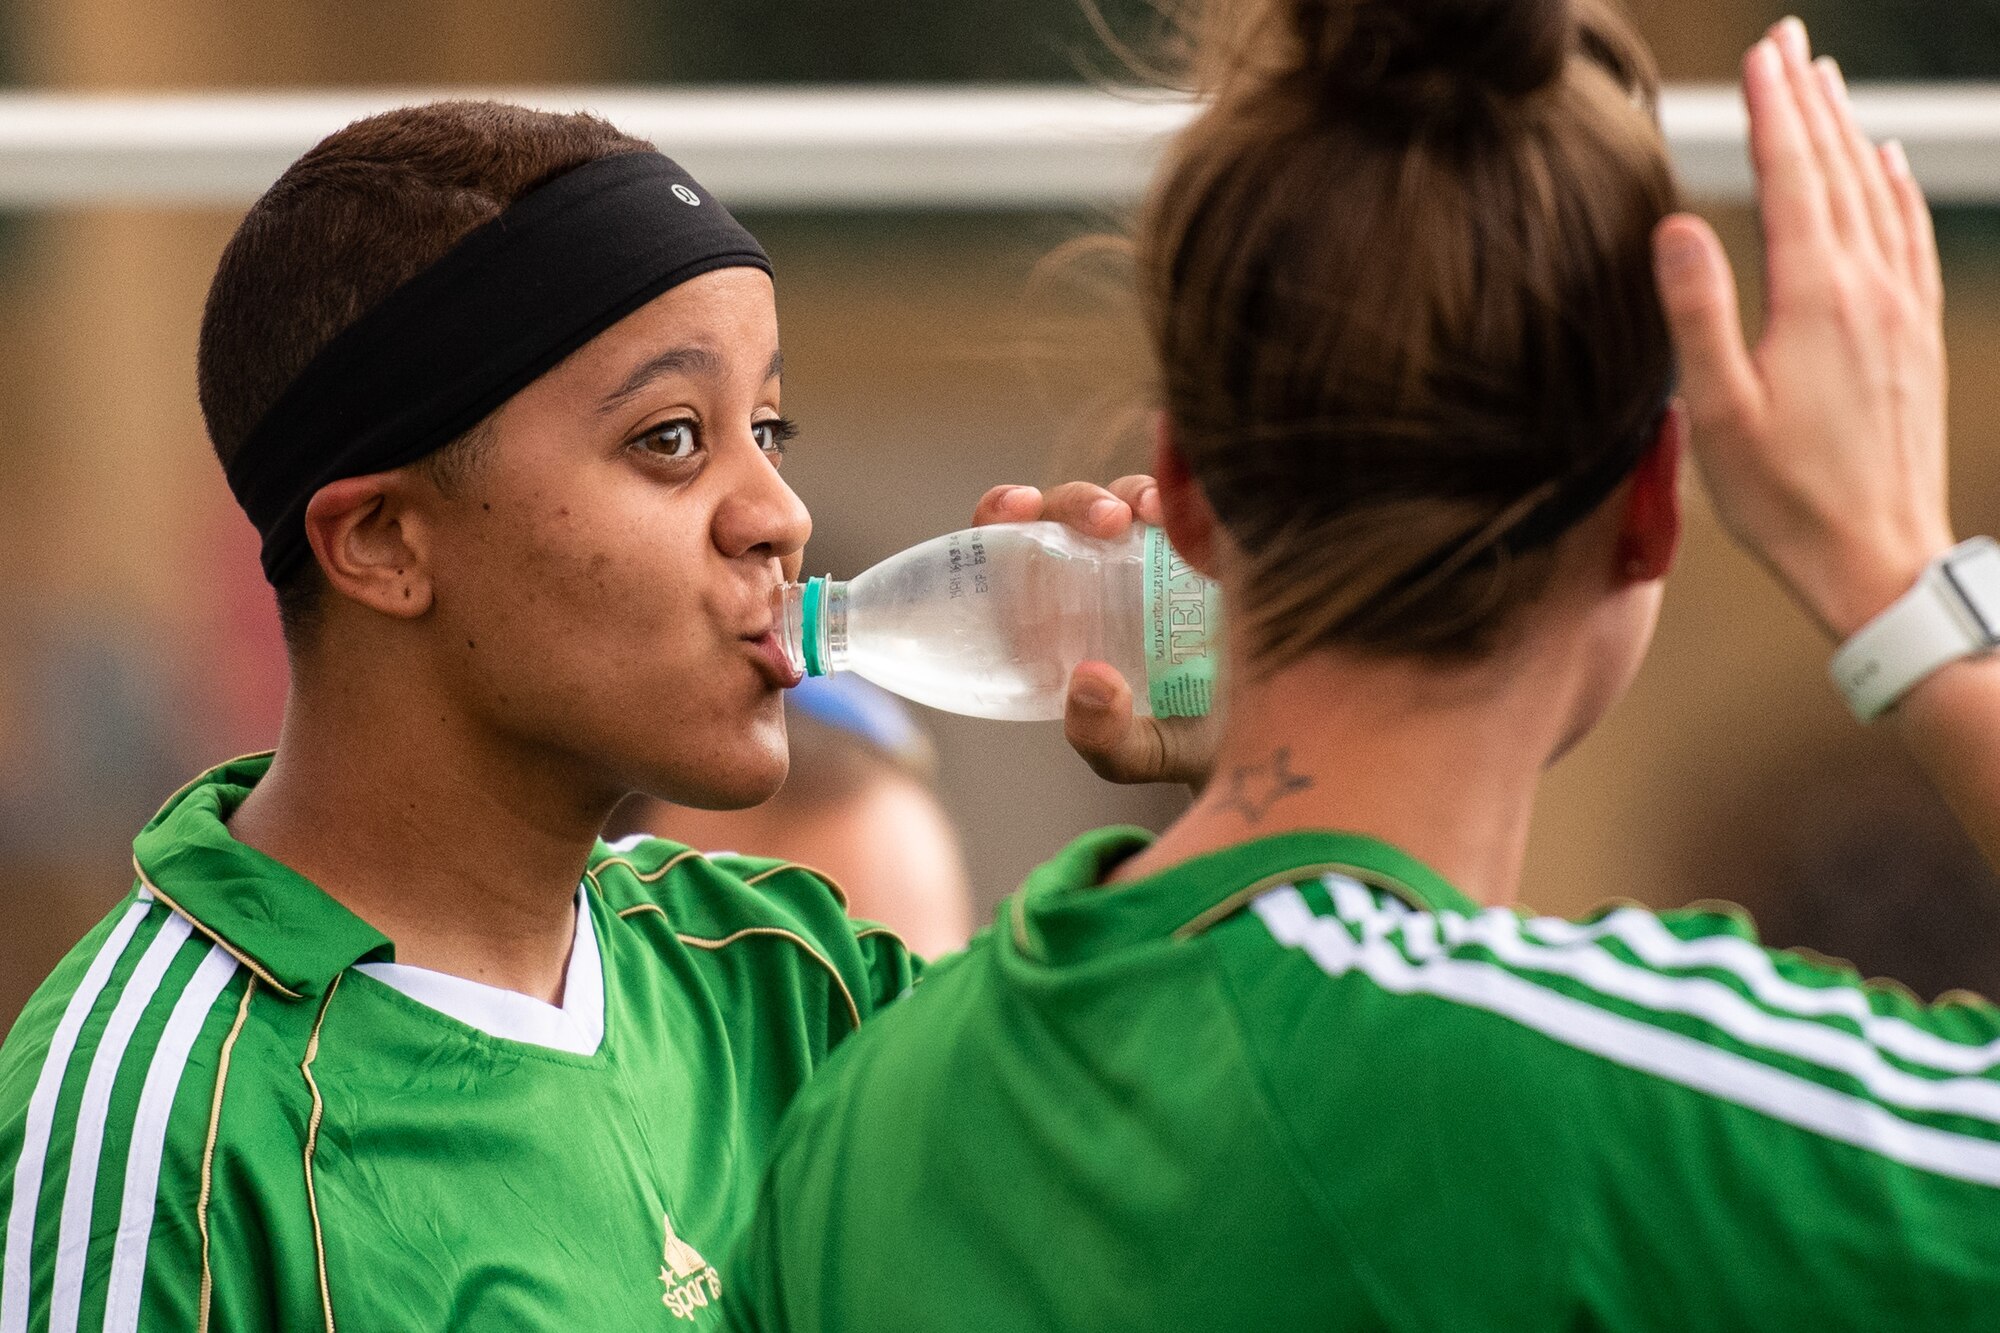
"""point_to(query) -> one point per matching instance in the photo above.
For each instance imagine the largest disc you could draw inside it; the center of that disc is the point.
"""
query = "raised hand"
(1824, 447)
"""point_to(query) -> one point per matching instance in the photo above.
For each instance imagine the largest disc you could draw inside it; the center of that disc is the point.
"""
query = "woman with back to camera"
(1296, 1064)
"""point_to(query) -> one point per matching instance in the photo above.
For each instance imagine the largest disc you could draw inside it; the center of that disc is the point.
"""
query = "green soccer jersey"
(231, 1108)
(1303, 1083)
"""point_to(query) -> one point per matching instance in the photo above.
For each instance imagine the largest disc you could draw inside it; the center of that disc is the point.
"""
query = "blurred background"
(926, 361)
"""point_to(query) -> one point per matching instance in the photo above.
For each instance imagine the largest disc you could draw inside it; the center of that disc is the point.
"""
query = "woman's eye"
(674, 439)
(771, 435)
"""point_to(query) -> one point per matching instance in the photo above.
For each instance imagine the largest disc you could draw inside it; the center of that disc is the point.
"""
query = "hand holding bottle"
(1098, 717)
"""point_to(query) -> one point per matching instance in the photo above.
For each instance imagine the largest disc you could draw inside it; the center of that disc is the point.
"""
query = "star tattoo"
(1255, 788)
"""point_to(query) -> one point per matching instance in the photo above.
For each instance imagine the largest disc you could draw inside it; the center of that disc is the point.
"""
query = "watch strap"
(1936, 623)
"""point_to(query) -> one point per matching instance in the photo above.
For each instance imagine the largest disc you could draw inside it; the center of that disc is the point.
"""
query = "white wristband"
(1952, 613)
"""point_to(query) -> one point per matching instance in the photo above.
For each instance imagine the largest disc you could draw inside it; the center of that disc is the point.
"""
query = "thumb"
(1718, 379)
(1100, 725)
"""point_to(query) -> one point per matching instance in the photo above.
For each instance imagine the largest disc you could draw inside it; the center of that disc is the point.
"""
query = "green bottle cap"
(813, 602)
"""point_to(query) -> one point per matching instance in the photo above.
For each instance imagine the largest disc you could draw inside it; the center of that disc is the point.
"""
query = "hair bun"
(1420, 59)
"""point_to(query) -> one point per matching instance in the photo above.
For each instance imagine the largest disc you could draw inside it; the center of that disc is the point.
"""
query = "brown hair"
(364, 211)
(1397, 279)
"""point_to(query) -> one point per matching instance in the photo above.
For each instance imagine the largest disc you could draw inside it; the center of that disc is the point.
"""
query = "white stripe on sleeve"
(1583, 1026)
(79, 1193)
(17, 1271)
(149, 1137)
(1656, 946)
(1709, 1001)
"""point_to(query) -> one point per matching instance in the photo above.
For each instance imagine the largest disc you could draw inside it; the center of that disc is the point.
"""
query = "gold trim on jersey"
(1960, 996)
(1236, 901)
(1708, 906)
(643, 876)
(1828, 961)
(697, 942)
(312, 1142)
(833, 886)
(256, 968)
(653, 876)
(1017, 917)
(208, 1148)
(203, 776)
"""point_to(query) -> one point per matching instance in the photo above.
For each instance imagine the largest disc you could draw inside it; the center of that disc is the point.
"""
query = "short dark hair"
(365, 210)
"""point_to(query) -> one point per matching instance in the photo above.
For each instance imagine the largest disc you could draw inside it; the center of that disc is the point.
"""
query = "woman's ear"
(1651, 535)
(371, 544)
(1185, 513)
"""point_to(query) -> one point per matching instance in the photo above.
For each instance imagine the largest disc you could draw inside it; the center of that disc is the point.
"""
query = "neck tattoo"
(1255, 788)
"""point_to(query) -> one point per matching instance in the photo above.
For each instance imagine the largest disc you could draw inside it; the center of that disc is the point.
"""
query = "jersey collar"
(273, 920)
(1061, 914)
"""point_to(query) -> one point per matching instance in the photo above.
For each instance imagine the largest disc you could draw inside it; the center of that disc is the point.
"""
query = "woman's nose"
(762, 514)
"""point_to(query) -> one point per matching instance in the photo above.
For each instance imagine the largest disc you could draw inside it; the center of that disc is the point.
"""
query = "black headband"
(502, 307)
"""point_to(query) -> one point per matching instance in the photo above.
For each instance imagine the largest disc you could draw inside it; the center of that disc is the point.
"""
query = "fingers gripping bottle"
(990, 622)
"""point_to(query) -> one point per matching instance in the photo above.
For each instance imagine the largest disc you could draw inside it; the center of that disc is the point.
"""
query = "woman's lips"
(771, 660)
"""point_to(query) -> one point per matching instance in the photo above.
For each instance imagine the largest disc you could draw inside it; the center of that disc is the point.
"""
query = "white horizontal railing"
(792, 148)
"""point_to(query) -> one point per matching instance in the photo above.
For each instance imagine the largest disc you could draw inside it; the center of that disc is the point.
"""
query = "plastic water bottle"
(991, 621)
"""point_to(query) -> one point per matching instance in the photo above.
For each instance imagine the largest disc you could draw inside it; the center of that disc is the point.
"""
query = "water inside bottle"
(992, 625)
(990, 622)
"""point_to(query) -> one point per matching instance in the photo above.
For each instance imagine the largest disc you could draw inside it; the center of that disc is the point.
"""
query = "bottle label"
(1183, 640)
